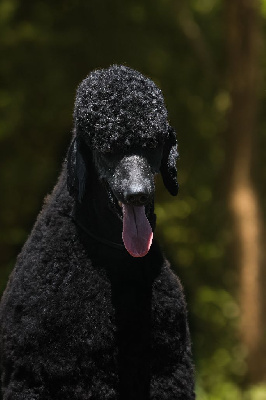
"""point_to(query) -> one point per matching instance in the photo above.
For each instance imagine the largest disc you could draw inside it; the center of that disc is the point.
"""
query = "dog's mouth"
(137, 233)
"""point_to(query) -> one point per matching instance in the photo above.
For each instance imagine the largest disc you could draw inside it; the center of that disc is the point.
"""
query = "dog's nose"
(137, 197)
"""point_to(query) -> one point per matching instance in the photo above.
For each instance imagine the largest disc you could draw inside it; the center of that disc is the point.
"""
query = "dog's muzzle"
(133, 186)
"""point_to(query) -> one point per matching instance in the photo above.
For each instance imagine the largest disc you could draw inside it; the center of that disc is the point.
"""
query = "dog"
(92, 309)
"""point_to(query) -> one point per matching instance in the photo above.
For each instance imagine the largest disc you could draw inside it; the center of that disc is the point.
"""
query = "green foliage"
(230, 391)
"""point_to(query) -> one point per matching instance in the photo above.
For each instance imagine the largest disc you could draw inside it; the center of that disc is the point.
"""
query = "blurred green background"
(207, 56)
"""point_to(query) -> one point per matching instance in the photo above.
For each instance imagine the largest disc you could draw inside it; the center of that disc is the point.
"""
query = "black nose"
(137, 197)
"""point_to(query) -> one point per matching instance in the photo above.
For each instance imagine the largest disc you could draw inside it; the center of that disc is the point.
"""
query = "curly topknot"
(117, 107)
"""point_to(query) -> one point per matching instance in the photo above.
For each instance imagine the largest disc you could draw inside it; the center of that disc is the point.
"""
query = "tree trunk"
(244, 76)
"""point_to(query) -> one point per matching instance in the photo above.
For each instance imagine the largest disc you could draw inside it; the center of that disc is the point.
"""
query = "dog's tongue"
(137, 232)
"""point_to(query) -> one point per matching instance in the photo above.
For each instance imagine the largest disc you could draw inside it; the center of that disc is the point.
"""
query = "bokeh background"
(208, 58)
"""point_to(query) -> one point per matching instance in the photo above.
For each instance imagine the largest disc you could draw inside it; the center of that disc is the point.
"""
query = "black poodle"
(92, 309)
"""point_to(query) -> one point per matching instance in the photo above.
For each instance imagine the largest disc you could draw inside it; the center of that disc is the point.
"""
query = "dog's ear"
(76, 170)
(168, 164)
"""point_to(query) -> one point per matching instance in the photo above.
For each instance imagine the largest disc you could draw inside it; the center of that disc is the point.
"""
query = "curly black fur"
(80, 317)
(119, 107)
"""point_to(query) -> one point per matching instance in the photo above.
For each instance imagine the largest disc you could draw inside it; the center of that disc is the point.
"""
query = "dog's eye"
(154, 157)
(155, 153)
(108, 159)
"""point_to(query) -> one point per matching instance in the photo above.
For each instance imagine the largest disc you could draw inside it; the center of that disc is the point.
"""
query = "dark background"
(207, 57)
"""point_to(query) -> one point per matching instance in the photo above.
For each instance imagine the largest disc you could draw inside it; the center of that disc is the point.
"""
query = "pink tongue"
(137, 232)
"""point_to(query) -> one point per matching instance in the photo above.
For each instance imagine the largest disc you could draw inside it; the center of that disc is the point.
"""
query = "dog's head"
(120, 123)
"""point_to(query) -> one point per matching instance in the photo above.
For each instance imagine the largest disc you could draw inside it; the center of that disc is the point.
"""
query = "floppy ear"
(168, 164)
(76, 170)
